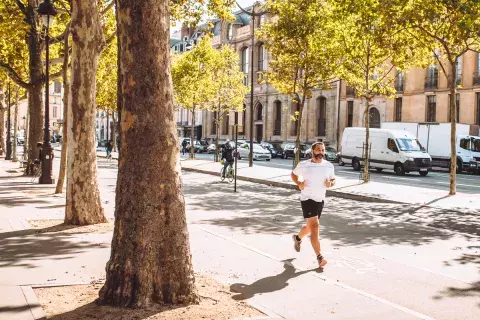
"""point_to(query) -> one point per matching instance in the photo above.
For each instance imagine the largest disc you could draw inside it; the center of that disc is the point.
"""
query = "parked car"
(203, 147)
(339, 159)
(330, 154)
(289, 150)
(211, 148)
(275, 149)
(197, 146)
(259, 153)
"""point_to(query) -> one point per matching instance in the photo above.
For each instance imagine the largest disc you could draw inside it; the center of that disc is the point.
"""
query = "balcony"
(277, 128)
(476, 79)
(350, 92)
(431, 83)
(243, 31)
(216, 40)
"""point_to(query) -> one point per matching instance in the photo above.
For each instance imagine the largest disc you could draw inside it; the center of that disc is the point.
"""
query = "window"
(398, 109)
(54, 111)
(277, 130)
(230, 32)
(431, 81)
(244, 118)
(349, 113)
(431, 108)
(466, 143)
(214, 123)
(477, 113)
(261, 58)
(321, 116)
(406, 144)
(57, 87)
(244, 66)
(458, 71)
(400, 82)
(259, 111)
(457, 108)
(226, 122)
(374, 118)
(391, 145)
(294, 127)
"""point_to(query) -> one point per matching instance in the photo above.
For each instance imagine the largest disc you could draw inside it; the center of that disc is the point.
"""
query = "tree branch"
(14, 76)
(110, 6)
(21, 6)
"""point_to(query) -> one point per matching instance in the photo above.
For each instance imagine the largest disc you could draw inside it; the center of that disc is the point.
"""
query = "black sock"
(297, 238)
(320, 257)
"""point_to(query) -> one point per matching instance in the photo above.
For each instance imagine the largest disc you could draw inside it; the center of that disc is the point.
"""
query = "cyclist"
(227, 155)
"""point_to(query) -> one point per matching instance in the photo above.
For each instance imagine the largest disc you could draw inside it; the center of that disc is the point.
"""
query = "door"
(259, 133)
(464, 148)
(391, 154)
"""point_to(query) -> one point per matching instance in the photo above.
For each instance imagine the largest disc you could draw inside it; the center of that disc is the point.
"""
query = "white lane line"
(459, 184)
(326, 279)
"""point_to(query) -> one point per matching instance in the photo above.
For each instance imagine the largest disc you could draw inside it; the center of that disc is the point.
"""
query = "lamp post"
(252, 14)
(8, 155)
(47, 11)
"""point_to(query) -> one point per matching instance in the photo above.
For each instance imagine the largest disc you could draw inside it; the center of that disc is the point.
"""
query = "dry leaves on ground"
(57, 226)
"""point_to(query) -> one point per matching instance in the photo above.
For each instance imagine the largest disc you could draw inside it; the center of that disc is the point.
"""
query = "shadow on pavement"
(268, 284)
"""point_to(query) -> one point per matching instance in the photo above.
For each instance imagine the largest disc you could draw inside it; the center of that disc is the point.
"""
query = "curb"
(33, 303)
(331, 193)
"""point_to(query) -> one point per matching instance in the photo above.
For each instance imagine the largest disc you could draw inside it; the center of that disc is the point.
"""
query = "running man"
(313, 177)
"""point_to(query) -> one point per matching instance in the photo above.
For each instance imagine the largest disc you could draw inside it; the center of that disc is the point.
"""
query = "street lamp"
(47, 11)
(252, 14)
(8, 155)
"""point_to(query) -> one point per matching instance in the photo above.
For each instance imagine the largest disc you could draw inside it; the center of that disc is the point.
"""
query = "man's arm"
(330, 182)
(301, 185)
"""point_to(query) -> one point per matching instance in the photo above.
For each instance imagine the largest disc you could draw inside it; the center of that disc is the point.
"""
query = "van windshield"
(409, 145)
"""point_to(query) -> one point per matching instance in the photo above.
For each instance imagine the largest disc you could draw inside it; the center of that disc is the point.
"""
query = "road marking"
(458, 184)
(324, 278)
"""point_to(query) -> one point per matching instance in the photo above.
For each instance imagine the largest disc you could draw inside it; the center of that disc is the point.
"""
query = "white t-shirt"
(314, 176)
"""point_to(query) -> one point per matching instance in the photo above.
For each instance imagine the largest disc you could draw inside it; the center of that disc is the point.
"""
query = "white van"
(390, 149)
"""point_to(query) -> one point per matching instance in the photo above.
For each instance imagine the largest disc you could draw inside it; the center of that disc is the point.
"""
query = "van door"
(391, 154)
(464, 149)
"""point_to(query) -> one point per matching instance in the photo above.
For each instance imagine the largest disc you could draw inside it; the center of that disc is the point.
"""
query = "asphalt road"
(466, 183)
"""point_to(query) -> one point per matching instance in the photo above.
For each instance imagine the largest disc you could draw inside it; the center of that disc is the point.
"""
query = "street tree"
(303, 58)
(22, 48)
(83, 204)
(373, 51)
(448, 29)
(193, 87)
(229, 88)
(150, 261)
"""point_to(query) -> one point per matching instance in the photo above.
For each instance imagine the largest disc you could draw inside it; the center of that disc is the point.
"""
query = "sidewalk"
(346, 188)
(385, 261)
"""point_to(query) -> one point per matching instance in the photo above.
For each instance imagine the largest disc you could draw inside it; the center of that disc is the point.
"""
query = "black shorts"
(312, 208)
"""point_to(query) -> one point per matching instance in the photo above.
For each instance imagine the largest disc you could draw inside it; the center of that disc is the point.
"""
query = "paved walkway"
(386, 261)
(349, 187)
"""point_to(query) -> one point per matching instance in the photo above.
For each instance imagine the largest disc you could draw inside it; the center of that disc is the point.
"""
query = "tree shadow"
(269, 284)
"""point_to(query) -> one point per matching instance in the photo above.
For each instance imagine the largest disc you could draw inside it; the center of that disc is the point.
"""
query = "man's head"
(318, 150)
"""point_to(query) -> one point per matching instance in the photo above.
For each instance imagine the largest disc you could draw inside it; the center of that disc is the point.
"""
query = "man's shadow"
(268, 284)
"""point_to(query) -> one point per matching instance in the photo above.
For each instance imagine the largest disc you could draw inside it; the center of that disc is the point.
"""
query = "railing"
(431, 82)
(476, 79)
(243, 30)
(322, 127)
(277, 128)
(350, 92)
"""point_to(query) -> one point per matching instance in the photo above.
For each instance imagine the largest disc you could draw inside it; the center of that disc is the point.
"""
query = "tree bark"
(299, 130)
(114, 132)
(83, 197)
(150, 260)
(66, 99)
(453, 130)
(36, 111)
(2, 121)
(192, 136)
(366, 155)
(15, 127)
(217, 133)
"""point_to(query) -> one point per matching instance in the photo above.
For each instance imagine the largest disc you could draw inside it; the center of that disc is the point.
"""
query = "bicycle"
(230, 172)
(37, 170)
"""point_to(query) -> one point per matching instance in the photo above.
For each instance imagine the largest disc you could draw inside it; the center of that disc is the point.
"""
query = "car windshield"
(476, 145)
(330, 149)
(409, 144)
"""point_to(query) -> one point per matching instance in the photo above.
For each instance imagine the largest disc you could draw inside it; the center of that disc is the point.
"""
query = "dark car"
(289, 150)
(275, 149)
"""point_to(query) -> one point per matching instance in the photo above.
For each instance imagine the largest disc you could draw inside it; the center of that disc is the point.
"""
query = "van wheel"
(379, 169)
(239, 156)
(399, 170)
(356, 165)
(459, 166)
(423, 173)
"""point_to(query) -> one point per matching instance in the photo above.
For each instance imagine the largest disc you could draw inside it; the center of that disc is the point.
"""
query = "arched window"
(374, 118)
(244, 60)
(321, 116)
(261, 58)
(230, 32)
(277, 129)
(226, 122)
(294, 109)
(259, 111)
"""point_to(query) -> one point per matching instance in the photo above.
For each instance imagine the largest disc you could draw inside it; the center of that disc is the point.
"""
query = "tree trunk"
(66, 99)
(2, 121)
(36, 110)
(83, 197)
(25, 142)
(453, 130)
(299, 130)
(15, 127)
(366, 155)
(217, 124)
(192, 136)
(114, 132)
(150, 259)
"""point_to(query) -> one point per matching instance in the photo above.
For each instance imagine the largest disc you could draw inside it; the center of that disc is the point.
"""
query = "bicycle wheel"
(231, 175)
(222, 177)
